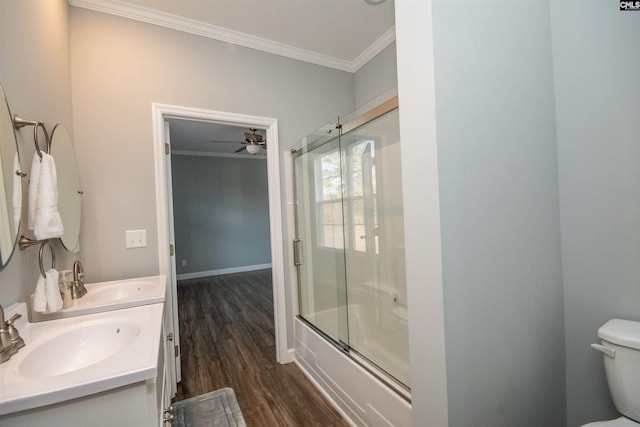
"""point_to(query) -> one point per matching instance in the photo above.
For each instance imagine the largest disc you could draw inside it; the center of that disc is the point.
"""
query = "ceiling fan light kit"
(253, 142)
(253, 149)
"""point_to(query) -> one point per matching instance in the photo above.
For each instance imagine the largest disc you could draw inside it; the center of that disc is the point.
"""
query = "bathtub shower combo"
(351, 332)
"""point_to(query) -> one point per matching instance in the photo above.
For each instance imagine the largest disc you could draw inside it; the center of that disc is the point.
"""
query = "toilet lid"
(618, 422)
(621, 332)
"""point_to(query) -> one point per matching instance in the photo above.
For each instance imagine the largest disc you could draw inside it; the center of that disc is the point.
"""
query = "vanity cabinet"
(138, 404)
(165, 390)
(135, 405)
(132, 405)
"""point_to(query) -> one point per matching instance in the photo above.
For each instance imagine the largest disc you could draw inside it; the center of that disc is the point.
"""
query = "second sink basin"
(113, 295)
(117, 291)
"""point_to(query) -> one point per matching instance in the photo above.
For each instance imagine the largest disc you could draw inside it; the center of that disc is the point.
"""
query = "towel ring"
(53, 257)
(19, 122)
(46, 137)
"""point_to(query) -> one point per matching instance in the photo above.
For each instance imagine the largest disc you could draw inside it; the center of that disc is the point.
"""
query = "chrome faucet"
(10, 340)
(16, 340)
(77, 288)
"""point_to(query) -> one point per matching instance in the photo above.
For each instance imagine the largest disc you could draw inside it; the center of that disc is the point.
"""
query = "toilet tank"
(621, 342)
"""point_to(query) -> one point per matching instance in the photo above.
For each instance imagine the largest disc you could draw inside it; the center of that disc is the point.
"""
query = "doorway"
(164, 209)
(220, 199)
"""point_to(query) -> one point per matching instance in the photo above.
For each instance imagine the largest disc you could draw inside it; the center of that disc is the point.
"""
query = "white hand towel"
(54, 300)
(34, 183)
(40, 297)
(48, 223)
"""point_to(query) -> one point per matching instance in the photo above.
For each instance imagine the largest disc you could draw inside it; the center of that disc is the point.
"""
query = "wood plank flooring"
(227, 340)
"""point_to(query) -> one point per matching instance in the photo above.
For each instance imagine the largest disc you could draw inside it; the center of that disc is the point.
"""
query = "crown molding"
(150, 16)
(378, 46)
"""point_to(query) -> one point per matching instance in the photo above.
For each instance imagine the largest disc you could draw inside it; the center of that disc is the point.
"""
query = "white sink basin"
(69, 358)
(117, 291)
(77, 346)
(113, 295)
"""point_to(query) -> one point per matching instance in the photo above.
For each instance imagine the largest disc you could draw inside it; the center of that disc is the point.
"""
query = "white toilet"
(620, 345)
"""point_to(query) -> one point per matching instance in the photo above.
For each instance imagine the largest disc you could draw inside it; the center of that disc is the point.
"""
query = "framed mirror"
(10, 184)
(69, 190)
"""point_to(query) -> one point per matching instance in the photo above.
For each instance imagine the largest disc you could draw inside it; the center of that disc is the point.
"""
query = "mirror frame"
(69, 190)
(9, 149)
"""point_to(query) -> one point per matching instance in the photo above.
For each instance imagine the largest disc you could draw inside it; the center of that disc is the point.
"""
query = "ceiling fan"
(253, 142)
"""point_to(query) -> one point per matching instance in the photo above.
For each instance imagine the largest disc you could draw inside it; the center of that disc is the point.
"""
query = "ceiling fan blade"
(223, 142)
(240, 149)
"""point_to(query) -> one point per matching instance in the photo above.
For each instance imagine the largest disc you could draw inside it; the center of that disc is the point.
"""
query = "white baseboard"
(243, 269)
(288, 357)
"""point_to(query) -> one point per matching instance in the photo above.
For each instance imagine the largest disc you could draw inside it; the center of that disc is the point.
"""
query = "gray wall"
(377, 76)
(497, 142)
(35, 74)
(499, 213)
(120, 67)
(596, 54)
(221, 212)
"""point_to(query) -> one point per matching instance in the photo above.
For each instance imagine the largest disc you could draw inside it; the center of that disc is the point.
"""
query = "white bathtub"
(361, 397)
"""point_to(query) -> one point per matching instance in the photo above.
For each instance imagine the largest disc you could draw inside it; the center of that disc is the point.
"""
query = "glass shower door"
(319, 227)
(374, 244)
(350, 246)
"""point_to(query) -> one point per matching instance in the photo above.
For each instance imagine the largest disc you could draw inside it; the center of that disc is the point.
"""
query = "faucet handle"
(16, 340)
(9, 323)
(7, 345)
(5, 339)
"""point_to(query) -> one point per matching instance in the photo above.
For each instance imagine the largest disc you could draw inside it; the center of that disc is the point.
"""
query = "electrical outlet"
(135, 238)
(184, 262)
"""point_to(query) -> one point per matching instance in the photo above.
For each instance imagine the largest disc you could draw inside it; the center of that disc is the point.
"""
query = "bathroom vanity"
(100, 369)
(102, 359)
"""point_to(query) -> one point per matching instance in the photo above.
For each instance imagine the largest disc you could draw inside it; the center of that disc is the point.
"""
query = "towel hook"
(20, 122)
(40, 257)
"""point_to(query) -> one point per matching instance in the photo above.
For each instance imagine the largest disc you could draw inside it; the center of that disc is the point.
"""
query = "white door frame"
(160, 113)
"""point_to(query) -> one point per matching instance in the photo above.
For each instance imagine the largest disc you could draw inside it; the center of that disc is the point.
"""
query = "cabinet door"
(166, 382)
(171, 346)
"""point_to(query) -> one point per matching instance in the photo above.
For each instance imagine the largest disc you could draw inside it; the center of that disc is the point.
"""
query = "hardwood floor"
(227, 340)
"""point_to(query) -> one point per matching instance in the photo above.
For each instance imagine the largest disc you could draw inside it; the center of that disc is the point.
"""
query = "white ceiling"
(341, 34)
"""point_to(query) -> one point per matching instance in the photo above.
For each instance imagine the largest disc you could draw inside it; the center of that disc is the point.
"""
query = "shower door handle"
(297, 259)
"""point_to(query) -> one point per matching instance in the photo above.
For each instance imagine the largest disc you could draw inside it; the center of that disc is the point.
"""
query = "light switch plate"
(135, 238)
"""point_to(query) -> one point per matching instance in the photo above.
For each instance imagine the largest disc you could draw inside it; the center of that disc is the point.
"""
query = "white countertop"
(128, 293)
(136, 362)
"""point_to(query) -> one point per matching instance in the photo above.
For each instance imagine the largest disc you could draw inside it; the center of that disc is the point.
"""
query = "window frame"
(346, 199)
